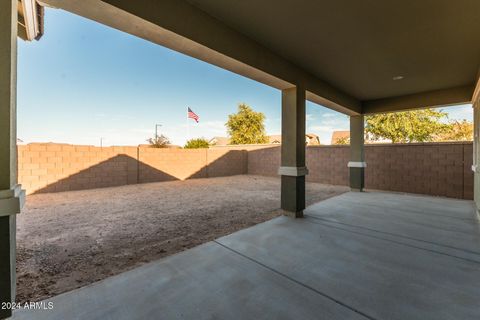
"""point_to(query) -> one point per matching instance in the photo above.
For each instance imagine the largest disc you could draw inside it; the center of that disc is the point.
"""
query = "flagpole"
(188, 127)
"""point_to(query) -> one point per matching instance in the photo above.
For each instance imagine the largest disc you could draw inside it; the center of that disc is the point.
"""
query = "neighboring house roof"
(275, 139)
(167, 146)
(339, 135)
(312, 139)
(30, 20)
(219, 141)
(223, 141)
(346, 134)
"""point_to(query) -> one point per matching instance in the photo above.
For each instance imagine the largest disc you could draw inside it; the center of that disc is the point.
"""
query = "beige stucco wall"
(476, 151)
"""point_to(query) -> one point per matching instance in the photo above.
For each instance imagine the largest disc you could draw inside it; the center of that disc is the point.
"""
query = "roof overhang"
(30, 20)
(437, 98)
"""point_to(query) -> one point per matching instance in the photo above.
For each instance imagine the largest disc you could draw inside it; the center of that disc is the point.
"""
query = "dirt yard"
(70, 239)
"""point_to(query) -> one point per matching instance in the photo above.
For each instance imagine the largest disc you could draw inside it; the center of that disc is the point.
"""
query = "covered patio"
(355, 256)
(372, 255)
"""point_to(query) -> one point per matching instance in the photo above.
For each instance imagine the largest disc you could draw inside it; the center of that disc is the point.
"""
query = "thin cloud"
(142, 130)
(328, 115)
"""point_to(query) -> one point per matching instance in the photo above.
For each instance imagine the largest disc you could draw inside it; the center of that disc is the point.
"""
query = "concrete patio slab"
(449, 224)
(383, 279)
(307, 268)
(207, 282)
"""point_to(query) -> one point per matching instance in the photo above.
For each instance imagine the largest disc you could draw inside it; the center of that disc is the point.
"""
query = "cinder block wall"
(171, 164)
(264, 161)
(60, 167)
(57, 167)
(226, 162)
(434, 169)
(442, 169)
(328, 164)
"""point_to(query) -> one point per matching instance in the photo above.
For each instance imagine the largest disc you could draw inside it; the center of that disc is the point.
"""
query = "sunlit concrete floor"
(354, 256)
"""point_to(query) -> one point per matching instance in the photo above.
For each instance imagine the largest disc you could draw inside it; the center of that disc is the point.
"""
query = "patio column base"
(291, 214)
(11, 201)
(357, 176)
(293, 196)
(7, 265)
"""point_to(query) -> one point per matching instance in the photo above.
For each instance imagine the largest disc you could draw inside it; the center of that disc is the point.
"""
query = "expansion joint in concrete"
(289, 278)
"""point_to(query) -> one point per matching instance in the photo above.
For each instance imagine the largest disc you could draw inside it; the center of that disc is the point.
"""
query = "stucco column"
(11, 196)
(357, 159)
(292, 169)
(476, 154)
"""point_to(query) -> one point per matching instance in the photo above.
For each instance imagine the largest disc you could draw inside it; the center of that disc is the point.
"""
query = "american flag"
(193, 115)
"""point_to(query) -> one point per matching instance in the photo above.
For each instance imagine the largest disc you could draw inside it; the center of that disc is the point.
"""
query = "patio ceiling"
(361, 46)
(352, 56)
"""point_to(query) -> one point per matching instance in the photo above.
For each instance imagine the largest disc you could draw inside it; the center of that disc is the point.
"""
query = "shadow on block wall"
(222, 164)
(116, 171)
(326, 164)
(78, 173)
(437, 169)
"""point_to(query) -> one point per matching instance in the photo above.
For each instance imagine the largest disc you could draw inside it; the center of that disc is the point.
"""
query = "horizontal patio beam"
(184, 28)
(436, 98)
(315, 98)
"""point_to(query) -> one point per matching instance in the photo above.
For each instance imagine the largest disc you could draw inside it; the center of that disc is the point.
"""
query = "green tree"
(197, 143)
(342, 141)
(246, 126)
(458, 131)
(160, 141)
(408, 126)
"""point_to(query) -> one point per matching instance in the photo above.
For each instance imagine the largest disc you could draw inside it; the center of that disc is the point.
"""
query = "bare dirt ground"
(70, 239)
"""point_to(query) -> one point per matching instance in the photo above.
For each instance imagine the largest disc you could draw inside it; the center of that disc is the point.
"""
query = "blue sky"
(83, 81)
